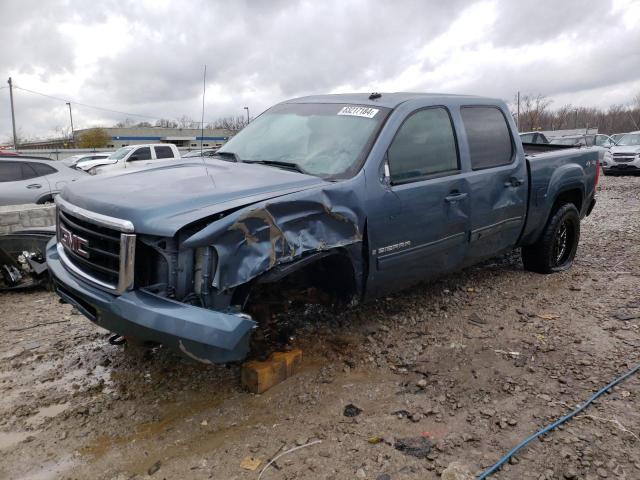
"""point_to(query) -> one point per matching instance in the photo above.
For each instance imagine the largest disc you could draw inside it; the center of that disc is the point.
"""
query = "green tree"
(93, 138)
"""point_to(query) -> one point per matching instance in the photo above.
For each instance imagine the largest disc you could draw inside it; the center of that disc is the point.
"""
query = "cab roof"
(388, 100)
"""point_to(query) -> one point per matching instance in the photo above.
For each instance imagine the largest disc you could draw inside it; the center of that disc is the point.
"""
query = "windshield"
(630, 139)
(326, 140)
(120, 153)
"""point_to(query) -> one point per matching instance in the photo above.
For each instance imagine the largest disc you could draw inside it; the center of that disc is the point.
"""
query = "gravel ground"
(466, 366)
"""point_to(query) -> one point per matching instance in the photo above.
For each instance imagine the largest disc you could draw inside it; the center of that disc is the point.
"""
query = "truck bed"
(548, 165)
(531, 149)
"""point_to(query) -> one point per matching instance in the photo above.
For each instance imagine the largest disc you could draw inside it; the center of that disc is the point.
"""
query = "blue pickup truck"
(330, 198)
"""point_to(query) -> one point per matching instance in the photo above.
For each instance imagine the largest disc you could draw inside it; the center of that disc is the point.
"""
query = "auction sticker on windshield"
(359, 111)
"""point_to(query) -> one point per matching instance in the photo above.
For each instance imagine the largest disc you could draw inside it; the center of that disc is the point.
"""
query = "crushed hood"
(161, 200)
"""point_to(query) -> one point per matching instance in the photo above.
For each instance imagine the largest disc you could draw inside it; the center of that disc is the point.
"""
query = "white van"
(132, 156)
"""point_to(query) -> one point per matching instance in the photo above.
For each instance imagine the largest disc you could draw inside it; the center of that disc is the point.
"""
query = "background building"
(121, 137)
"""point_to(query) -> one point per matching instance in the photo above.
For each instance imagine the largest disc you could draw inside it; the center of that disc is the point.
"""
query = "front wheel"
(556, 248)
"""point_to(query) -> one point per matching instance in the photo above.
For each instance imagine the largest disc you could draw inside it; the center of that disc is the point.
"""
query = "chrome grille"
(97, 248)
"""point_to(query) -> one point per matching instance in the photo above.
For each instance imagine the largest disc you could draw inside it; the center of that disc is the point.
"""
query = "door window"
(10, 171)
(488, 137)
(163, 152)
(425, 145)
(141, 154)
(42, 169)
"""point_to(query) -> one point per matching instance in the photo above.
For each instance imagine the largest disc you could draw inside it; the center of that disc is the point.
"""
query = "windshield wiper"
(277, 163)
(231, 155)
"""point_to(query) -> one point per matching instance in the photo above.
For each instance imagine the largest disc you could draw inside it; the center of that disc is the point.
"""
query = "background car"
(74, 160)
(533, 137)
(33, 180)
(590, 141)
(132, 156)
(625, 155)
(208, 152)
(617, 136)
(605, 141)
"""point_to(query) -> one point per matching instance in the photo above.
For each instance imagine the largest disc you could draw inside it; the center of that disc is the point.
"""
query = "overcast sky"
(147, 57)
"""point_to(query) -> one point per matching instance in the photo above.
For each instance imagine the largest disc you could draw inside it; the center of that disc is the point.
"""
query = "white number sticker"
(359, 111)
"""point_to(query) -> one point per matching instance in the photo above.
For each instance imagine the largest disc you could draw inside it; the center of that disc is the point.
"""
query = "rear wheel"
(556, 248)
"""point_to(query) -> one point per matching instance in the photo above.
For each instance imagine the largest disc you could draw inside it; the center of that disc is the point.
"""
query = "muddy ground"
(473, 363)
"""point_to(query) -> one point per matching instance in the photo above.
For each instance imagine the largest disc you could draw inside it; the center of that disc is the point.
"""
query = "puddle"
(51, 471)
(8, 439)
(47, 412)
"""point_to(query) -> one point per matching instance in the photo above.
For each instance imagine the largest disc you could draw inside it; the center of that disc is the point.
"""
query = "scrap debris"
(22, 259)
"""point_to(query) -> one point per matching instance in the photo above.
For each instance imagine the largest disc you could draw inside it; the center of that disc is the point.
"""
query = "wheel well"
(44, 199)
(329, 279)
(568, 196)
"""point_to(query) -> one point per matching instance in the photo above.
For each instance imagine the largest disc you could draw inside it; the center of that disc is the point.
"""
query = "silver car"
(74, 160)
(33, 180)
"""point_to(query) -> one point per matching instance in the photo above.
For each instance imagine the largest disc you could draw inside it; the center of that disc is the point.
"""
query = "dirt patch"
(471, 363)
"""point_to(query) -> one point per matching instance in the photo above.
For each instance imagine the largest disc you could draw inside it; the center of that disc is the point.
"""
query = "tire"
(556, 248)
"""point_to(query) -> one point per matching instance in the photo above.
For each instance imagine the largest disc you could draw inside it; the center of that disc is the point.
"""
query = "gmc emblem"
(73, 242)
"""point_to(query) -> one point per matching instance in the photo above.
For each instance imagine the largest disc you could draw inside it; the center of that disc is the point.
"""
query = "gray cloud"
(259, 53)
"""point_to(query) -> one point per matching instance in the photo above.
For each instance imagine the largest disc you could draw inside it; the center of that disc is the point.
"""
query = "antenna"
(204, 90)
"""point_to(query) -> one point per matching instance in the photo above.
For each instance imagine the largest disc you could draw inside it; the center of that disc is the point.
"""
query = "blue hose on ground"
(548, 428)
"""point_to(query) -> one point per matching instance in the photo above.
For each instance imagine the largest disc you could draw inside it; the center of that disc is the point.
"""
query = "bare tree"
(166, 123)
(533, 111)
(231, 124)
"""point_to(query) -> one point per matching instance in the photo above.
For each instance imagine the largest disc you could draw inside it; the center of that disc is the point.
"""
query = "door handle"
(34, 185)
(513, 182)
(455, 197)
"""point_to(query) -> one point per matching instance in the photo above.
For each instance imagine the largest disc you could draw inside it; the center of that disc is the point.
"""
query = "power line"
(84, 104)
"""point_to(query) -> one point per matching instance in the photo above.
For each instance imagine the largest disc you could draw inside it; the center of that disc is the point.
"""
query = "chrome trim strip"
(79, 273)
(126, 267)
(92, 217)
(492, 229)
(127, 262)
(420, 248)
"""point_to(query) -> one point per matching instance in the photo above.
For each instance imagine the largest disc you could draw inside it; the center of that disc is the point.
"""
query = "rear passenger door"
(422, 231)
(164, 153)
(20, 183)
(498, 182)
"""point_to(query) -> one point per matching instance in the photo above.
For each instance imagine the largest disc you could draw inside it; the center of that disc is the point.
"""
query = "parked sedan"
(30, 180)
(207, 152)
(75, 160)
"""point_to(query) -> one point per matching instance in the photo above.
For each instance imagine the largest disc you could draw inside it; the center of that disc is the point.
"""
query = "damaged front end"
(194, 291)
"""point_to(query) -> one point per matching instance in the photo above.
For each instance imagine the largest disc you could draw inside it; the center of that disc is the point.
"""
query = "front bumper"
(204, 335)
(621, 167)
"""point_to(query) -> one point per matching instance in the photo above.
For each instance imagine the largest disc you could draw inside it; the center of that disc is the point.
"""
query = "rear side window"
(488, 137)
(10, 171)
(163, 152)
(424, 145)
(42, 169)
(141, 154)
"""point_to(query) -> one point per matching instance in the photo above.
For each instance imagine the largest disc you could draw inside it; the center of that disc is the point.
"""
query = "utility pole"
(247, 109)
(13, 116)
(518, 117)
(71, 117)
